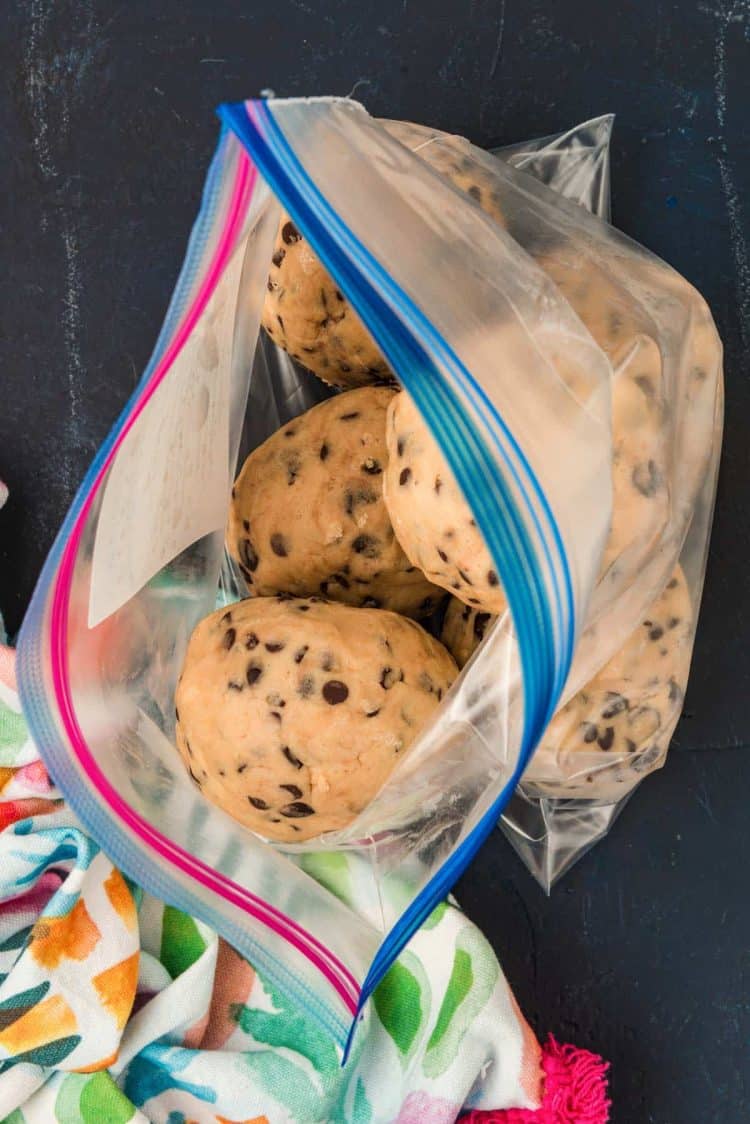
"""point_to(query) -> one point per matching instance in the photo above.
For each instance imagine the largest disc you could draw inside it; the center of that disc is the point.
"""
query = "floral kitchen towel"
(115, 1007)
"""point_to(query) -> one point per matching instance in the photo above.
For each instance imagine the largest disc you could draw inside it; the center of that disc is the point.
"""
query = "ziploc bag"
(137, 560)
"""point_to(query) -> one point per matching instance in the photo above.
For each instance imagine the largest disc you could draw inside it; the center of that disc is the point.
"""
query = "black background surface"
(107, 123)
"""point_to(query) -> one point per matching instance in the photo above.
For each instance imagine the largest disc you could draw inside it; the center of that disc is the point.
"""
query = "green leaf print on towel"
(402, 1002)
(472, 981)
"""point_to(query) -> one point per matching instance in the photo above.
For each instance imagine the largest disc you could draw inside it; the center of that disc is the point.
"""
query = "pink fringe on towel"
(575, 1091)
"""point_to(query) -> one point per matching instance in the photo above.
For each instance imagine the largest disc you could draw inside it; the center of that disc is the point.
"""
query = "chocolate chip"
(372, 603)
(492, 578)
(656, 632)
(327, 661)
(439, 693)
(404, 476)
(616, 705)
(241, 768)
(299, 655)
(474, 601)
(290, 234)
(303, 608)
(226, 618)
(631, 746)
(281, 322)
(675, 691)
(297, 810)
(367, 545)
(284, 596)
(324, 450)
(258, 803)
(278, 257)
(251, 641)
(248, 556)
(673, 622)
(275, 714)
(400, 446)
(590, 732)
(254, 672)
(372, 467)
(349, 417)
(442, 554)
(372, 713)
(234, 492)
(293, 466)
(339, 295)
(672, 584)
(177, 714)
(294, 790)
(606, 740)
(647, 478)
(357, 497)
(192, 774)
(279, 545)
(270, 285)
(229, 638)
(291, 758)
(274, 646)
(389, 677)
(335, 692)
(475, 192)
(465, 577)
(306, 686)
(481, 620)
(425, 682)
(290, 432)
(233, 685)
(438, 485)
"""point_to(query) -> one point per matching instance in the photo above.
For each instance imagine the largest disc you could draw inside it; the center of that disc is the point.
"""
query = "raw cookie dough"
(307, 314)
(618, 727)
(308, 516)
(291, 713)
(429, 514)
(464, 629)
(443, 540)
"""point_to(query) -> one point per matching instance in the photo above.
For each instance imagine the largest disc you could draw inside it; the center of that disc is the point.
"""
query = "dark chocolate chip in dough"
(366, 545)
(234, 492)
(672, 623)
(254, 672)
(335, 692)
(675, 691)
(293, 466)
(279, 545)
(606, 740)
(278, 257)
(291, 757)
(400, 446)
(229, 638)
(350, 416)
(616, 705)
(294, 790)
(389, 677)
(258, 803)
(327, 661)
(290, 234)
(281, 322)
(297, 810)
(246, 525)
(303, 608)
(465, 577)
(372, 713)
(233, 685)
(475, 192)
(248, 555)
(438, 485)
(275, 646)
(275, 714)
(177, 714)
(324, 450)
(474, 600)
(306, 686)
(241, 768)
(481, 620)
(192, 774)
(404, 476)
(251, 641)
(442, 554)
(590, 732)
(672, 584)
(357, 497)
(656, 632)
(339, 295)
(647, 478)
(226, 619)
(372, 467)
(290, 432)
(299, 655)
(270, 285)
(492, 578)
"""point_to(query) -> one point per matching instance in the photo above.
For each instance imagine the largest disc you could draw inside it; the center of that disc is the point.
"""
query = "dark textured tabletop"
(643, 950)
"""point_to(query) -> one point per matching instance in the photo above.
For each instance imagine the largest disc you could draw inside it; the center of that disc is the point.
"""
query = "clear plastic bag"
(138, 559)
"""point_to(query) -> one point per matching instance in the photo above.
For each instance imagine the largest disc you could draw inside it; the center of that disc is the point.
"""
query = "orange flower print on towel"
(121, 899)
(116, 988)
(73, 936)
(47, 1021)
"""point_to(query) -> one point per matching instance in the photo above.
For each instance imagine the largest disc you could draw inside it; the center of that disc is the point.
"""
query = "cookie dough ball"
(618, 727)
(429, 514)
(464, 629)
(307, 314)
(291, 713)
(640, 452)
(308, 515)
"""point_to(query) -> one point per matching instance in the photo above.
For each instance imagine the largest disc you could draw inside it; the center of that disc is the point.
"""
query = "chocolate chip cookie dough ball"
(429, 514)
(308, 514)
(291, 713)
(306, 313)
(617, 728)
